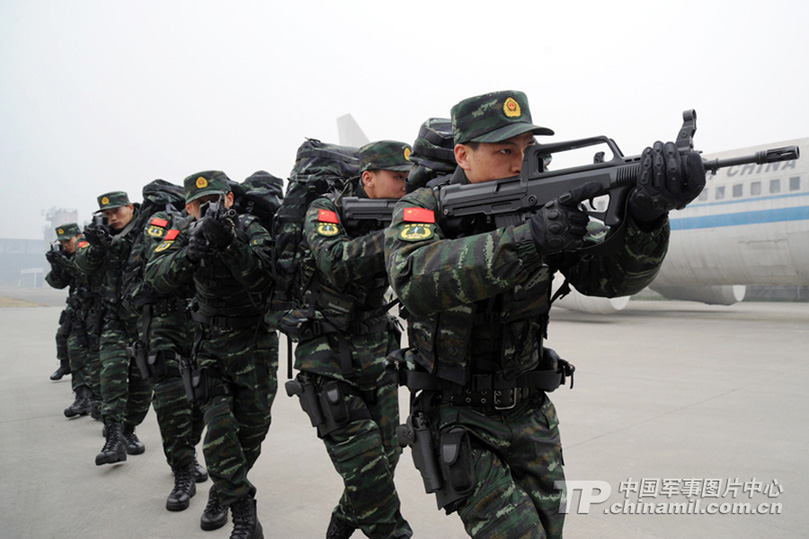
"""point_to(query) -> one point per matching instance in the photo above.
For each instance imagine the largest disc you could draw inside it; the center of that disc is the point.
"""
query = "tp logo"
(590, 492)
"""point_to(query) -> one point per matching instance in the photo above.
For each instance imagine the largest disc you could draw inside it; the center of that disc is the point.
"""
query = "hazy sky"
(98, 96)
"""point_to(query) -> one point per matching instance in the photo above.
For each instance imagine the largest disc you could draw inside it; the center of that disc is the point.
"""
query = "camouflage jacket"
(479, 303)
(348, 291)
(233, 283)
(109, 262)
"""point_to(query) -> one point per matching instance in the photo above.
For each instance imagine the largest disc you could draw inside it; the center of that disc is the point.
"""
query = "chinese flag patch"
(171, 234)
(160, 222)
(419, 215)
(327, 216)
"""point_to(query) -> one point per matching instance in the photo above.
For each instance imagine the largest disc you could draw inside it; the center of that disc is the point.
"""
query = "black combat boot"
(133, 445)
(184, 488)
(339, 528)
(114, 449)
(245, 520)
(82, 405)
(95, 408)
(64, 368)
(215, 514)
(200, 473)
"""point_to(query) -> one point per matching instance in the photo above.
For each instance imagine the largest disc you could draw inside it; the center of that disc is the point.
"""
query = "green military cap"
(385, 155)
(209, 182)
(67, 231)
(493, 117)
(115, 199)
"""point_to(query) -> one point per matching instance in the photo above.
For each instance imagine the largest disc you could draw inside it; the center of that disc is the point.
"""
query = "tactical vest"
(502, 334)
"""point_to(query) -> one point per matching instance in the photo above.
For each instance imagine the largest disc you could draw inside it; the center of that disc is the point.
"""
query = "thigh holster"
(202, 383)
(444, 459)
(326, 407)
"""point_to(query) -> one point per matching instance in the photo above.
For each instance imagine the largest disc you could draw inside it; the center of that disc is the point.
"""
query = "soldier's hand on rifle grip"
(219, 233)
(197, 246)
(666, 182)
(98, 236)
(561, 224)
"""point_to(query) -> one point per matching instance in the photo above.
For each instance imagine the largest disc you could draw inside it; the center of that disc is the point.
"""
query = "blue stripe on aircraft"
(744, 200)
(741, 218)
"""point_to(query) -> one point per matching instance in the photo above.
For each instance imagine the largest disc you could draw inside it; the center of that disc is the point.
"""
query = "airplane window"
(755, 188)
(737, 190)
(795, 183)
(720, 193)
(775, 186)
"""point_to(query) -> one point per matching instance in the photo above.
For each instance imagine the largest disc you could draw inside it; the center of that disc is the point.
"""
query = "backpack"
(158, 195)
(320, 168)
(432, 153)
(260, 195)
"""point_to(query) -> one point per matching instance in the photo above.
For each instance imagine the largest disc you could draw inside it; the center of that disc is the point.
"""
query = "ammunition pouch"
(443, 459)
(327, 408)
(202, 383)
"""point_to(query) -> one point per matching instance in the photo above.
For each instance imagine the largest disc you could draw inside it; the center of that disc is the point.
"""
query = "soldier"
(227, 257)
(166, 336)
(478, 302)
(125, 393)
(342, 365)
(71, 337)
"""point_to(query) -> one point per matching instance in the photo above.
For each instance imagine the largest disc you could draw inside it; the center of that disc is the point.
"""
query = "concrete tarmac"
(687, 413)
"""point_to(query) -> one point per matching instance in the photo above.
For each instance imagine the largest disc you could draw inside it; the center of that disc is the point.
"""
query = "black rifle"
(373, 211)
(511, 201)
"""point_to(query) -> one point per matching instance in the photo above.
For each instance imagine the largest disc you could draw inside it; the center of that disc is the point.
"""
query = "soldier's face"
(69, 246)
(384, 183)
(493, 160)
(193, 207)
(118, 218)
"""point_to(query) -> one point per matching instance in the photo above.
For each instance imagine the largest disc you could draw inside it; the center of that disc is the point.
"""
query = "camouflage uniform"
(125, 394)
(347, 298)
(477, 301)
(167, 333)
(71, 337)
(236, 352)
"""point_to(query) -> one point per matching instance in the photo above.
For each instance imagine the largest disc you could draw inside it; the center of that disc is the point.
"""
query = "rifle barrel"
(774, 155)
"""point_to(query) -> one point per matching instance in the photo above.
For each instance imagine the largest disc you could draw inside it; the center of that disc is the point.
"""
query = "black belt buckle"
(506, 399)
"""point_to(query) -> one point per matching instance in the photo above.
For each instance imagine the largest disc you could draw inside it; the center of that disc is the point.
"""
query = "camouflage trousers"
(181, 423)
(238, 422)
(517, 456)
(125, 394)
(62, 333)
(78, 356)
(365, 453)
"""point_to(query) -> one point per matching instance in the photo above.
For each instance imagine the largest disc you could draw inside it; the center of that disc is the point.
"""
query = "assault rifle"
(511, 201)
(374, 211)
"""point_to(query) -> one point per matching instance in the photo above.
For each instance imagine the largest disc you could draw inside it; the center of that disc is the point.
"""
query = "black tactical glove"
(561, 225)
(666, 182)
(219, 233)
(198, 248)
(53, 257)
(98, 236)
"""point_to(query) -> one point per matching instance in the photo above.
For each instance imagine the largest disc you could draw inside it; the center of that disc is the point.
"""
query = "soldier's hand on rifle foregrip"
(667, 181)
(561, 224)
(218, 233)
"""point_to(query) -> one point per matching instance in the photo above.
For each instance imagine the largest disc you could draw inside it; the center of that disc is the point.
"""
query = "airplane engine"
(711, 295)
